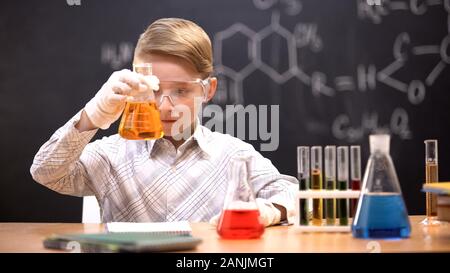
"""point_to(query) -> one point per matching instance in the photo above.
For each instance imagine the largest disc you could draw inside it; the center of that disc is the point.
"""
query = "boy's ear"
(212, 89)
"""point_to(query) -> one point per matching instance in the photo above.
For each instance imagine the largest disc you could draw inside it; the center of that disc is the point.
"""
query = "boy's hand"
(109, 102)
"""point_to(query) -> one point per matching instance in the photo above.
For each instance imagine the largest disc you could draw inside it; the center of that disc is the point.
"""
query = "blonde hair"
(181, 38)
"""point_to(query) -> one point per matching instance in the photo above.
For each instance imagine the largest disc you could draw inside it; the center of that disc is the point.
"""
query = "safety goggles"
(180, 92)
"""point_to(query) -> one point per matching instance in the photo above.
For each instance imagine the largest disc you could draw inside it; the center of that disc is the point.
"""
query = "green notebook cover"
(122, 242)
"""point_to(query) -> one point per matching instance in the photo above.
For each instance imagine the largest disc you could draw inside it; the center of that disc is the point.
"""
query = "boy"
(169, 179)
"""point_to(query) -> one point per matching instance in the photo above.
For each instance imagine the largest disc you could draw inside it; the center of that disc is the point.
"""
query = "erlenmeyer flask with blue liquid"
(381, 211)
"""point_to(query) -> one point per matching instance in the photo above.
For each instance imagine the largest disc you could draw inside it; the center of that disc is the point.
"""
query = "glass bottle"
(431, 176)
(240, 215)
(381, 211)
(141, 118)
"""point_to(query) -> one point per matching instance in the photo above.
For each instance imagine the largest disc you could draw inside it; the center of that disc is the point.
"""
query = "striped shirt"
(151, 180)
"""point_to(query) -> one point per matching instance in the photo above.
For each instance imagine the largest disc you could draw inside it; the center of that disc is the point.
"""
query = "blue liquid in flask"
(382, 215)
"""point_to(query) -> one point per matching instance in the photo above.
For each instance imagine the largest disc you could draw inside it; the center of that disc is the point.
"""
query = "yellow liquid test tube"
(316, 183)
(431, 176)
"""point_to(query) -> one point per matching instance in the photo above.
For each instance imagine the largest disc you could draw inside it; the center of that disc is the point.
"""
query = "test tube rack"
(323, 194)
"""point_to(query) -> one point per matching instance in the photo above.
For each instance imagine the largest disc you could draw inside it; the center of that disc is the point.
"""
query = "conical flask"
(141, 119)
(381, 211)
(240, 214)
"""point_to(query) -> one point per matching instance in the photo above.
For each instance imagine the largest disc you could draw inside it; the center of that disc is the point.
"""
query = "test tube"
(342, 166)
(355, 163)
(330, 184)
(303, 177)
(316, 183)
(431, 175)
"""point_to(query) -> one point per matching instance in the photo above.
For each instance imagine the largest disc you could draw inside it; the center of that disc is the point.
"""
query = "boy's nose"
(166, 108)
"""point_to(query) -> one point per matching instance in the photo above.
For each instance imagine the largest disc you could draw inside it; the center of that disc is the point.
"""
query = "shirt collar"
(199, 135)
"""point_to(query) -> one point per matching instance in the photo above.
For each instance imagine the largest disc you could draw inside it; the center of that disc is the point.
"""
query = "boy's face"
(176, 76)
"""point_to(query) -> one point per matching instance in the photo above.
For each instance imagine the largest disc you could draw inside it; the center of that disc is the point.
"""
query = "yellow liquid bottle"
(316, 184)
(431, 176)
(141, 118)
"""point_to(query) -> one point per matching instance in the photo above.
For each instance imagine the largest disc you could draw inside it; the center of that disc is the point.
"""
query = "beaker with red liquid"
(240, 218)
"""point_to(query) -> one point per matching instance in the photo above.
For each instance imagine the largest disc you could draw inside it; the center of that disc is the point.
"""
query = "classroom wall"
(339, 70)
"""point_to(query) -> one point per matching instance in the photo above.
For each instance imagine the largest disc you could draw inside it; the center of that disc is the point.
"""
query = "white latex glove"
(109, 102)
(269, 215)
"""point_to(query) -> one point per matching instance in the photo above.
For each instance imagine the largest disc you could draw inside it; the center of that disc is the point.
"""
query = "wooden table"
(28, 237)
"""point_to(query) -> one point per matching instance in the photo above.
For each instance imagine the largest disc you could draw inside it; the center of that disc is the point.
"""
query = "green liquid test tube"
(342, 167)
(330, 179)
(303, 171)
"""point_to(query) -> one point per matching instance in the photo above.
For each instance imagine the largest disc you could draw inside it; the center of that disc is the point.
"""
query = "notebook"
(172, 228)
(130, 237)
(121, 242)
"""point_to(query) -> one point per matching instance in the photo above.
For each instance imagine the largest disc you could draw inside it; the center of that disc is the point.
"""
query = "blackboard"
(339, 70)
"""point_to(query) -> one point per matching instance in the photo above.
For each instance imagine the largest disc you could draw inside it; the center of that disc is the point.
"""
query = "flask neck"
(379, 143)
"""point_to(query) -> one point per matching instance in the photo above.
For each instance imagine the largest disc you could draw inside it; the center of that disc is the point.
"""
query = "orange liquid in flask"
(141, 120)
